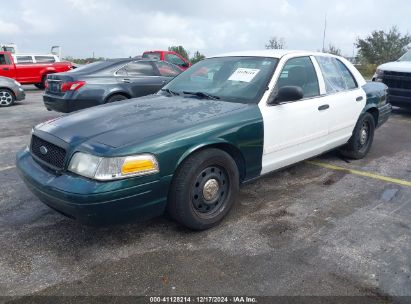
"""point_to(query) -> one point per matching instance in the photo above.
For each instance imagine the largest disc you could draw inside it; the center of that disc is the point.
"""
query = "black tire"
(361, 140)
(42, 84)
(203, 189)
(116, 97)
(7, 98)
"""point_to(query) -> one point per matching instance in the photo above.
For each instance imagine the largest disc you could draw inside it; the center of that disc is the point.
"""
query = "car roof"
(33, 54)
(272, 53)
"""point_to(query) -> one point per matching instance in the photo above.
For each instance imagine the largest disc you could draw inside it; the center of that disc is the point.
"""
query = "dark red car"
(168, 56)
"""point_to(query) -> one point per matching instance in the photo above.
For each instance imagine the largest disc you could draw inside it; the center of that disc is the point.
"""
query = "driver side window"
(3, 60)
(300, 72)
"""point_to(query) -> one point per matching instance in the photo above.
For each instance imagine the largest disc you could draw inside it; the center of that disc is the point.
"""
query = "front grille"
(401, 74)
(397, 83)
(48, 152)
(397, 80)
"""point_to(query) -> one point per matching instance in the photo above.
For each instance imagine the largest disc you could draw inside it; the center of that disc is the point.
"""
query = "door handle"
(6, 69)
(359, 98)
(126, 80)
(323, 107)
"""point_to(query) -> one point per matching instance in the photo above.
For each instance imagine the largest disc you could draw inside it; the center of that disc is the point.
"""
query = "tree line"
(377, 48)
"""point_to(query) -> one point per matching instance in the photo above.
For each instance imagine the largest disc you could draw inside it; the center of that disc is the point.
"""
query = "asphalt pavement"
(310, 230)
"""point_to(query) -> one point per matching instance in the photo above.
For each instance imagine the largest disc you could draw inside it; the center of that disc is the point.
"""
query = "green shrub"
(367, 70)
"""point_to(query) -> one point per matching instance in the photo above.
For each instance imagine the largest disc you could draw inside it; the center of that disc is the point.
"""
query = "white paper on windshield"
(244, 74)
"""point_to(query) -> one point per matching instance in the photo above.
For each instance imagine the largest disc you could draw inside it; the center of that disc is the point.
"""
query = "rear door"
(139, 78)
(27, 70)
(346, 99)
(7, 67)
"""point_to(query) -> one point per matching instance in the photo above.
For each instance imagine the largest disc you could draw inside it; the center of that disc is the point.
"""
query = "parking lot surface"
(312, 229)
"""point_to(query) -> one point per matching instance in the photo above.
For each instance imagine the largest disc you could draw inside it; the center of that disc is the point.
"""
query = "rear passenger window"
(24, 59)
(155, 56)
(135, 69)
(348, 77)
(44, 59)
(337, 77)
(167, 69)
(174, 59)
(300, 72)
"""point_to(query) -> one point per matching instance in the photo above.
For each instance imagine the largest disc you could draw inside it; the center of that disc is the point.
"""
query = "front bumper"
(67, 104)
(90, 201)
(399, 97)
(384, 113)
(19, 93)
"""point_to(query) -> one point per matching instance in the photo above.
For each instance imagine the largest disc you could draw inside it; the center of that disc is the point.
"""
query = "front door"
(6, 67)
(295, 130)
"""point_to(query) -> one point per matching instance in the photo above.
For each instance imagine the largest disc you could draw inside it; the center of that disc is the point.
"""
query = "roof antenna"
(325, 29)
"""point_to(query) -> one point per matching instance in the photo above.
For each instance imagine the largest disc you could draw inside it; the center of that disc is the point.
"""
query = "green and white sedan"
(186, 150)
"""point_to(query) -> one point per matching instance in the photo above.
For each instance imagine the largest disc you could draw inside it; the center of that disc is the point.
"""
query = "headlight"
(104, 169)
(379, 73)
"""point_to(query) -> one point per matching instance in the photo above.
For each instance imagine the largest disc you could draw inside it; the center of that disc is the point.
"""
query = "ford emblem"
(43, 150)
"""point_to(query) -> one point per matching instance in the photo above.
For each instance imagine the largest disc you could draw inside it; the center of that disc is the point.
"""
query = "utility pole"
(325, 30)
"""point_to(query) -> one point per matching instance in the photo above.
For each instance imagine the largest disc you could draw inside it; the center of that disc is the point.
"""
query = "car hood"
(396, 66)
(136, 120)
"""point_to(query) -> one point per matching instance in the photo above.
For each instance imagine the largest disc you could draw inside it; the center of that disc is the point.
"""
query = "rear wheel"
(361, 140)
(7, 98)
(116, 97)
(42, 84)
(204, 189)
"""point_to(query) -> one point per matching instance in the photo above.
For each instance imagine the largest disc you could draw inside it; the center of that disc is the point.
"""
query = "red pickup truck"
(168, 56)
(30, 72)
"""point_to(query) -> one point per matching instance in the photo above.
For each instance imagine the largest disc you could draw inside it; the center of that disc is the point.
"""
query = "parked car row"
(101, 82)
(185, 150)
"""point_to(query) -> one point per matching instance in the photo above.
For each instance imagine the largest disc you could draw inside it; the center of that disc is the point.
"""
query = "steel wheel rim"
(210, 191)
(364, 134)
(5, 98)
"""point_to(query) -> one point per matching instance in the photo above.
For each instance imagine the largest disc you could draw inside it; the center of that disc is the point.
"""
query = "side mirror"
(185, 65)
(287, 93)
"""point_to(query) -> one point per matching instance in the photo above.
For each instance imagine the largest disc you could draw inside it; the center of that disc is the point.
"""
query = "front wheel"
(361, 140)
(7, 98)
(204, 189)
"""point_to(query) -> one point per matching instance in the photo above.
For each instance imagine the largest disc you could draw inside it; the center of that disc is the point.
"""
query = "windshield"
(236, 79)
(406, 56)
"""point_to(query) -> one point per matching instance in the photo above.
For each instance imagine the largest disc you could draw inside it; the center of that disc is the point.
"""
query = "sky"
(123, 28)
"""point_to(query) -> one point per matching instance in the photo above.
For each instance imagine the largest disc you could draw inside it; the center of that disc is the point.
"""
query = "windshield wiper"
(170, 92)
(202, 94)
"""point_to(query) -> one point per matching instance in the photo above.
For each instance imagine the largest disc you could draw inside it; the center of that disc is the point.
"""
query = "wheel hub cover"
(364, 135)
(210, 189)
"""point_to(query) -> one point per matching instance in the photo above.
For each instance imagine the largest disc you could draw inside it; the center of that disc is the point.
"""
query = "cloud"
(89, 7)
(123, 28)
(9, 28)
